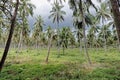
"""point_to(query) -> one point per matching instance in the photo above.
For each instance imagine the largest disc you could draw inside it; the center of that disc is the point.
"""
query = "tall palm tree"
(26, 9)
(50, 38)
(77, 7)
(38, 29)
(115, 4)
(78, 26)
(94, 29)
(57, 15)
(104, 14)
(12, 25)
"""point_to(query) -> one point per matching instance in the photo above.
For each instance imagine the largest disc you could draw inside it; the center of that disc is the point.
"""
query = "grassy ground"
(30, 65)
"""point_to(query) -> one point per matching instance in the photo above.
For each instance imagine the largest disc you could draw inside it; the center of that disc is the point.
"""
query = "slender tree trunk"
(105, 43)
(94, 40)
(49, 47)
(20, 42)
(63, 50)
(85, 40)
(36, 44)
(58, 40)
(116, 14)
(13, 18)
(85, 44)
(80, 44)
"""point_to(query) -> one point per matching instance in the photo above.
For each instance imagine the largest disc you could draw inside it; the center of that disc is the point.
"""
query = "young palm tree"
(64, 38)
(72, 41)
(57, 15)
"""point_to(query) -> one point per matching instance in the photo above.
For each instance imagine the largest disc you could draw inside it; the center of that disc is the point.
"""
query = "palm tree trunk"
(104, 31)
(80, 44)
(20, 42)
(49, 47)
(58, 40)
(116, 14)
(105, 43)
(36, 46)
(85, 40)
(63, 50)
(85, 45)
(13, 18)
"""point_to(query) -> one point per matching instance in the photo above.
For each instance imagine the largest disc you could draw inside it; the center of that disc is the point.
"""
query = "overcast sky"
(43, 8)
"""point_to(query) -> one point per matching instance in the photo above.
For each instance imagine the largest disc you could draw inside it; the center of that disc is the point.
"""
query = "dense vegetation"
(50, 54)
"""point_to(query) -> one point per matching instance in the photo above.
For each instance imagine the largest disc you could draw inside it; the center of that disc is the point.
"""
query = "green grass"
(30, 65)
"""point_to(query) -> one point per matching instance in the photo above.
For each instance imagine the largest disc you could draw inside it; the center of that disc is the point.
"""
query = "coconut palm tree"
(78, 26)
(92, 32)
(57, 15)
(106, 34)
(114, 7)
(12, 25)
(64, 38)
(38, 29)
(50, 37)
(77, 7)
(104, 14)
(25, 9)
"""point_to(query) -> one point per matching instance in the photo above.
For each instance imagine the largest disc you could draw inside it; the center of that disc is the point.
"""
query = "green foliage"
(28, 65)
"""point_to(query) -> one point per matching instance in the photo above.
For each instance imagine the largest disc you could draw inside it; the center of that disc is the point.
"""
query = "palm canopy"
(103, 12)
(64, 36)
(75, 4)
(26, 8)
(49, 32)
(57, 13)
(38, 26)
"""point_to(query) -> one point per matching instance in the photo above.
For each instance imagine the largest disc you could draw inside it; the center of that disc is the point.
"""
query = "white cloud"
(42, 7)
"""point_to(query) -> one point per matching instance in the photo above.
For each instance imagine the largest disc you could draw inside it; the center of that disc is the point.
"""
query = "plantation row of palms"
(90, 31)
